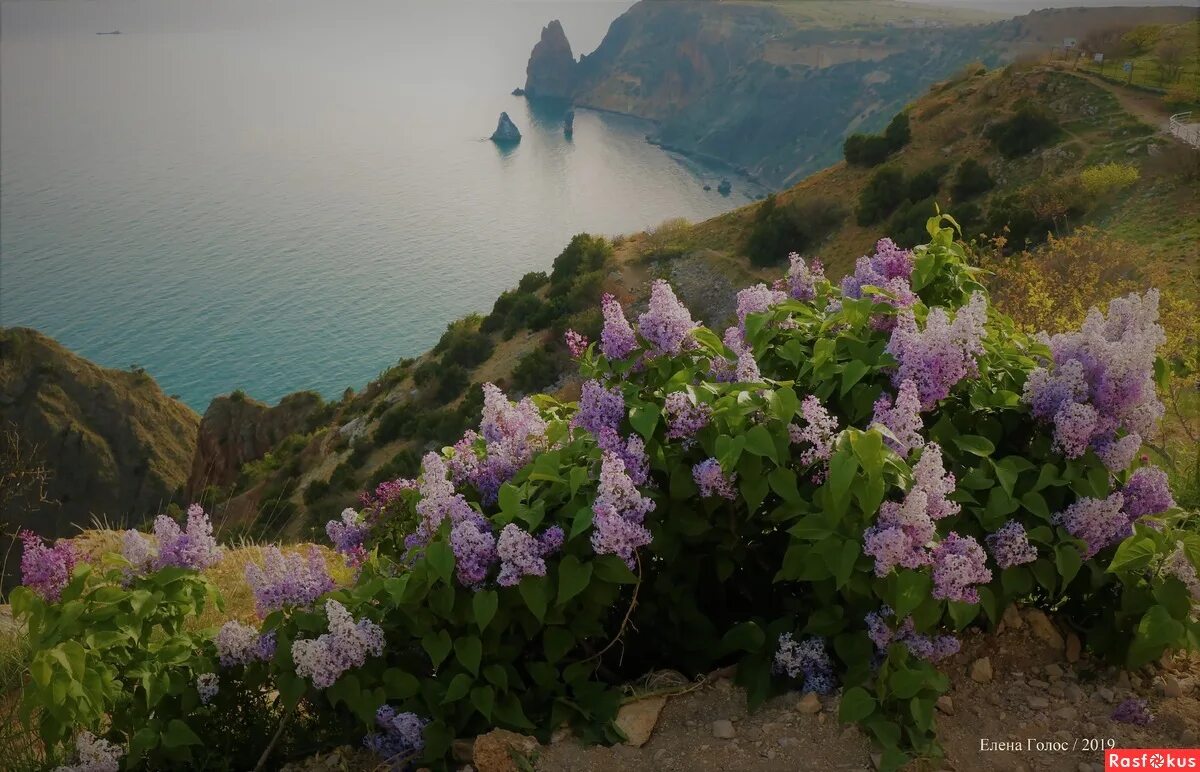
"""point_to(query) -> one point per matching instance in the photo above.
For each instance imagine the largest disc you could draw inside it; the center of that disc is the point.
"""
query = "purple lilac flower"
(617, 340)
(375, 502)
(401, 736)
(931, 648)
(287, 580)
(1010, 545)
(551, 540)
(510, 433)
(93, 754)
(802, 278)
(818, 432)
(1147, 493)
(958, 564)
(349, 533)
(904, 532)
(631, 451)
(888, 263)
(192, 547)
(1099, 523)
(667, 324)
(208, 685)
(618, 512)
(1107, 366)
(712, 481)
(942, 354)
(139, 551)
(684, 418)
(930, 476)
(1134, 711)
(599, 407)
(345, 646)
(520, 556)
(438, 501)
(576, 343)
(807, 660)
(1180, 566)
(474, 548)
(46, 570)
(903, 418)
(241, 644)
(756, 300)
(744, 368)
(618, 490)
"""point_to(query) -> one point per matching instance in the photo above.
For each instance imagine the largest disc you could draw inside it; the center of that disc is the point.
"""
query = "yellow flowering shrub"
(1098, 180)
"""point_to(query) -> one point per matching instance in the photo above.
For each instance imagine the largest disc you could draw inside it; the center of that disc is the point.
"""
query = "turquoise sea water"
(284, 194)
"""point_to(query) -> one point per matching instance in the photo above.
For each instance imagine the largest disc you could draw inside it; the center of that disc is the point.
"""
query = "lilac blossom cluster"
(208, 686)
(959, 563)
(576, 343)
(756, 300)
(712, 481)
(631, 450)
(599, 408)
(1180, 566)
(512, 432)
(401, 736)
(942, 354)
(345, 646)
(349, 535)
(522, 554)
(818, 432)
(190, 547)
(889, 266)
(438, 502)
(1101, 523)
(241, 644)
(138, 551)
(619, 512)
(684, 417)
(287, 581)
(802, 278)
(743, 368)
(93, 754)
(1010, 545)
(902, 418)
(931, 648)
(904, 532)
(46, 570)
(1147, 492)
(1098, 388)
(617, 339)
(474, 547)
(1133, 710)
(807, 660)
(667, 324)
(374, 503)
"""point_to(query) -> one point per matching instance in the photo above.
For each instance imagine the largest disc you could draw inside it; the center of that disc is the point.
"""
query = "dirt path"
(1147, 108)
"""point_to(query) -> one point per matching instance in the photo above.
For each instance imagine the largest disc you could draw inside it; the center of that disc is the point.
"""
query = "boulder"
(494, 751)
(506, 131)
(637, 719)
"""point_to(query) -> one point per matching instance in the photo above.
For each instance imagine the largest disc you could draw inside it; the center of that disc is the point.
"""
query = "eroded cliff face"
(237, 429)
(113, 444)
(552, 70)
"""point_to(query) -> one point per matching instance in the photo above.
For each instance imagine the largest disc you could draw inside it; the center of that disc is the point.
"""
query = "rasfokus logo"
(1151, 758)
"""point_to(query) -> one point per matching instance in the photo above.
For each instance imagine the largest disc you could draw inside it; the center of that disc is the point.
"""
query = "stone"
(562, 734)
(1123, 680)
(722, 729)
(1054, 671)
(945, 705)
(1106, 694)
(1074, 647)
(638, 719)
(810, 704)
(1073, 693)
(1012, 617)
(788, 742)
(981, 670)
(1043, 629)
(494, 751)
(506, 132)
(1038, 703)
(463, 750)
(1067, 713)
(1170, 686)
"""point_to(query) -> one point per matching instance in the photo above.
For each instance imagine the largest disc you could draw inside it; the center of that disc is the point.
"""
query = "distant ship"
(114, 32)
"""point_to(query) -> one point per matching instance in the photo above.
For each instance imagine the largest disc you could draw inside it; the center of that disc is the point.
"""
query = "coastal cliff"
(552, 69)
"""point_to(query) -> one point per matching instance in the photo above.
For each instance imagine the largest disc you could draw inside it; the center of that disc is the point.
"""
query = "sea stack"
(552, 69)
(569, 123)
(725, 187)
(506, 131)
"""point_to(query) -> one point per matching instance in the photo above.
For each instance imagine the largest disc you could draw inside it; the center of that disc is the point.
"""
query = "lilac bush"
(347, 645)
(46, 570)
(287, 580)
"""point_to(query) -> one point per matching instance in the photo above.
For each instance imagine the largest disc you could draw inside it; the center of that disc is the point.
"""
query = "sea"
(276, 195)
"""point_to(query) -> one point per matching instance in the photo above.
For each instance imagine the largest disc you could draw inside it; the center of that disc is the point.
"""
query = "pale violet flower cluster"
(631, 450)
(46, 569)
(806, 660)
(576, 343)
(942, 354)
(346, 646)
(399, 738)
(959, 563)
(743, 368)
(93, 754)
(889, 268)
(684, 416)
(1147, 492)
(293, 580)
(1098, 388)
(802, 278)
(1101, 523)
(1133, 710)
(931, 648)
(208, 686)
(712, 481)
(619, 512)
(241, 644)
(511, 432)
(904, 532)
(599, 408)
(617, 339)
(1010, 545)
(818, 433)
(522, 554)
(1180, 566)
(667, 324)
(438, 501)
(191, 547)
(755, 300)
(349, 535)
(901, 417)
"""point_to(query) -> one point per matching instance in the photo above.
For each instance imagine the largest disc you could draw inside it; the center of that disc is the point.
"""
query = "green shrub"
(584, 253)
(796, 226)
(883, 193)
(451, 382)
(315, 491)
(925, 184)
(464, 343)
(1028, 129)
(405, 463)
(1105, 178)
(532, 281)
(396, 422)
(536, 370)
(898, 132)
(344, 477)
(907, 224)
(970, 179)
(873, 149)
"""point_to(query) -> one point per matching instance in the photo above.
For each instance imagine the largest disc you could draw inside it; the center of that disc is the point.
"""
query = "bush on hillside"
(808, 497)
(925, 184)
(537, 369)
(971, 179)
(779, 229)
(873, 149)
(907, 225)
(464, 343)
(1105, 178)
(451, 382)
(1029, 128)
(584, 253)
(883, 193)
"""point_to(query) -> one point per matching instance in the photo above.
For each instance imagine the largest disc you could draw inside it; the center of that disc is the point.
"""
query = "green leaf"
(557, 642)
(533, 590)
(1036, 503)
(843, 565)
(856, 705)
(1155, 632)
(868, 447)
(1068, 561)
(853, 372)
(496, 675)
(468, 650)
(644, 418)
(610, 568)
(1133, 554)
(747, 636)
(441, 559)
(483, 698)
(973, 443)
(459, 686)
(400, 685)
(783, 481)
(484, 606)
(510, 499)
(179, 735)
(912, 587)
(573, 577)
(760, 442)
(437, 646)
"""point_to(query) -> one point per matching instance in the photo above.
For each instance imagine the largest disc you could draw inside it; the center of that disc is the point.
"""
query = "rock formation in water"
(506, 131)
(569, 123)
(113, 445)
(236, 430)
(552, 69)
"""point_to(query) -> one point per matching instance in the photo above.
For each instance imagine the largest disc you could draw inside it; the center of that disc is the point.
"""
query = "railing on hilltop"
(1183, 127)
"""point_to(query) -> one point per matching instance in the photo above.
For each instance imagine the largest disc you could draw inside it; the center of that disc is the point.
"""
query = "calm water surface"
(285, 194)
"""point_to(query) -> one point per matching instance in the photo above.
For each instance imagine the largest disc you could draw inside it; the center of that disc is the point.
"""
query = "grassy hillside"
(380, 432)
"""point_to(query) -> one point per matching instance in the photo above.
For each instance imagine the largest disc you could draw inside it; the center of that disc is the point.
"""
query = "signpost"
(1128, 67)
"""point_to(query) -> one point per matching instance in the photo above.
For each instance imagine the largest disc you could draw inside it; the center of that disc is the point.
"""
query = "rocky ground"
(1025, 682)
